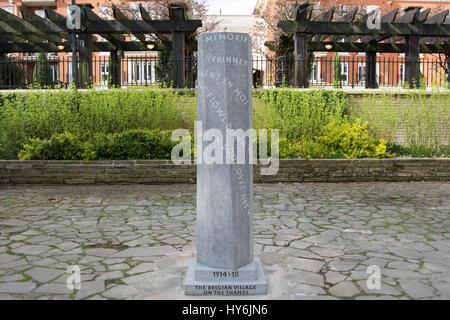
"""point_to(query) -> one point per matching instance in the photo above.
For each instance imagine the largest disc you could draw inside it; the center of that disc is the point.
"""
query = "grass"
(419, 121)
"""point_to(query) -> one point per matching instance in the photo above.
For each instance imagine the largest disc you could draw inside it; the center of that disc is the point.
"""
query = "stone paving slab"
(315, 240)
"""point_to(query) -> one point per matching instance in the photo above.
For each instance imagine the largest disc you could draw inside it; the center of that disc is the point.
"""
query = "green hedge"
(127, 145)
(42, 114)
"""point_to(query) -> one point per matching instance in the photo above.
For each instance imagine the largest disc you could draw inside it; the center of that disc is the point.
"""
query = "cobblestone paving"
(315, 240)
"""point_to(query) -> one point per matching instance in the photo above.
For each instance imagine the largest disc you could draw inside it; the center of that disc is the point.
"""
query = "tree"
(337, 81)
(163, 68)
(42, 75)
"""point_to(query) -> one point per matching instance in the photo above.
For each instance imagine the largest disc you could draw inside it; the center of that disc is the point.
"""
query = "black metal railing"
(145, 71)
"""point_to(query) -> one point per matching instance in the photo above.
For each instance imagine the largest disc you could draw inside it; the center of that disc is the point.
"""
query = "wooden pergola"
(32, 33)
(412, 33)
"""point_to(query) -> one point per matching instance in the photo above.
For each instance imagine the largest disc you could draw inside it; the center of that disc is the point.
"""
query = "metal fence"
(151, 71)
(348, 71)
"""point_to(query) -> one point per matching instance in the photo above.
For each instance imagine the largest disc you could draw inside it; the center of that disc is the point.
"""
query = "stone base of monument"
(202, 280)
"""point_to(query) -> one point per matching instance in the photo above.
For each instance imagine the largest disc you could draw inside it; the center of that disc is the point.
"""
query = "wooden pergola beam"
(96, 25)
(98, 46)
(438, 18)
(116, 39)
(348, 17)
(162, 37)
(30, 38)
(361, 29)
(41, 23)
(375, 47)
(20, 26)
(121, 17)
(387, 18)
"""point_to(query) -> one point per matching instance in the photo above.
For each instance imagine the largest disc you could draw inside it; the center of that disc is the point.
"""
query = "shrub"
(64, 146)
(351, 141)
(42, 75)
(127, 145)
(130, 145)
(339, 140)
(337, 81)
(304, 113)
(302, 149)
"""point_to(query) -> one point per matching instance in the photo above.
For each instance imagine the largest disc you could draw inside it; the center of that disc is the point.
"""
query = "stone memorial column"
(225, 264)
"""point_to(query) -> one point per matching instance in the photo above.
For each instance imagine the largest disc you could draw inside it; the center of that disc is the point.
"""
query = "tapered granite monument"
(224, 264)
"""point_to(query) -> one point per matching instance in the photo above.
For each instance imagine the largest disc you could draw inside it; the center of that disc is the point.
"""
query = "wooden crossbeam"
(116, 39)
(20, 26)
(361, 29)
(40, 23)
(386, 18)
(8, 32)
(348, 17)
(422, 16)
(121, 17)
(409, 15)
(146, 17)
(56, 18)
(434, 40)
(325, 16)
(437, 18)
(375, 47)
(144, 14)
(50, 47)
(13, 38)
(95, 25)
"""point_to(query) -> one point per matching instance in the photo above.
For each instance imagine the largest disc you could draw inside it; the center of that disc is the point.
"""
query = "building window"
(55, 73)
(315, 72)
(104, 73)
(344, 72)
(103, 12)
(401, 73)
(40, 13)
(361, 75)
(7, 9)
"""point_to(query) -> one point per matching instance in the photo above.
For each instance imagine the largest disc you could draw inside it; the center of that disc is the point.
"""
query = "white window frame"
(361, 73)
(55, 72)
(315, 78)
(104, 71)
(344, 65)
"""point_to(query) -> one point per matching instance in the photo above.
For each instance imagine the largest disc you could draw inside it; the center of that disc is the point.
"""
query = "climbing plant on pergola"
(413, 32)
(32, 33)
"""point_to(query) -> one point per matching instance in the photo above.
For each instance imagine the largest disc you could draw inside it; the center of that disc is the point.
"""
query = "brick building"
(390, 66)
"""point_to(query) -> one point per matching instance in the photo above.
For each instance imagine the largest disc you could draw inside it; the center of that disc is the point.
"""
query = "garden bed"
(96, 125)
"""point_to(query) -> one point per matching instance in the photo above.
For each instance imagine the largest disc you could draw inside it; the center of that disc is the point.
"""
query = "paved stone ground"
(315, 240)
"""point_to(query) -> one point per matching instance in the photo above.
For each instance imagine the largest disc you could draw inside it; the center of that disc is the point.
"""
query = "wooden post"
(85, 59)
(115, 69)
(300, 63)
(371, 70)
(178, 59)
(177, 13)
(412, 61)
